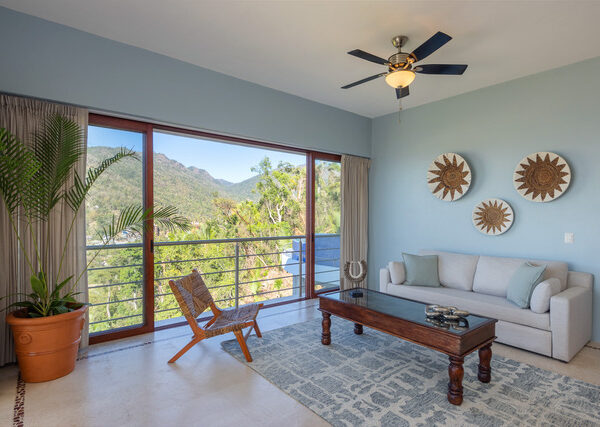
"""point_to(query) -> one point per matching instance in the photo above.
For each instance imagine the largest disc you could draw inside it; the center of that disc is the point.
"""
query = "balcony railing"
(237, 271)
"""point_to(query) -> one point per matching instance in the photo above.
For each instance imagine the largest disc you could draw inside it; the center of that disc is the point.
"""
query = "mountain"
(190, 189)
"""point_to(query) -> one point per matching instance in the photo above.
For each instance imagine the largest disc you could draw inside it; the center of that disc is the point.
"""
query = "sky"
(223, 161)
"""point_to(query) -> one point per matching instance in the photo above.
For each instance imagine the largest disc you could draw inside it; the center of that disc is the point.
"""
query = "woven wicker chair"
(193, 298)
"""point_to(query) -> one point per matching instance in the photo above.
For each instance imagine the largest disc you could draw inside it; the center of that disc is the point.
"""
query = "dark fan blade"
(451, 69)
(430, 46)
(363, 81)
(401, 92)
(367, 56)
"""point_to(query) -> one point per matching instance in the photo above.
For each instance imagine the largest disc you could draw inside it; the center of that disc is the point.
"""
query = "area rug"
(375, 379)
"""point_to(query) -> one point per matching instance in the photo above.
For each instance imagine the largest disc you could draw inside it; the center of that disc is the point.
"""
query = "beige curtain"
(22, 117)
(355, 213)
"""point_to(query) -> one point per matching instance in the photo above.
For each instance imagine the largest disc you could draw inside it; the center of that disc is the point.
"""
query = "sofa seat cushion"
(493, 274)
(455, 270)
(480, 304)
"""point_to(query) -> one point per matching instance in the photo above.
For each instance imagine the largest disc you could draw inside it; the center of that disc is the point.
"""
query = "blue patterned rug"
(377, 380)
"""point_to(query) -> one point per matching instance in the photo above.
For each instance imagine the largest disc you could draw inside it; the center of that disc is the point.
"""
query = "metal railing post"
(237, 274)
(98, 302)
(300, 267)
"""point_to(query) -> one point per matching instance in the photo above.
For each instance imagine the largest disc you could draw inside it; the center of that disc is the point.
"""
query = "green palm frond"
(17, 167)
(76, 195)
(134, 219)
(168, 218)
(58, 146)
(131, 218)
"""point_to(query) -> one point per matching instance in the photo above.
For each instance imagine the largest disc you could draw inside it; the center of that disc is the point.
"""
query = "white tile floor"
(135, 386)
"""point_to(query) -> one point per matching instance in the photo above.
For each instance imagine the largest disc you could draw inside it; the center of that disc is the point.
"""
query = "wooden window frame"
(147, 129)
(311, 159)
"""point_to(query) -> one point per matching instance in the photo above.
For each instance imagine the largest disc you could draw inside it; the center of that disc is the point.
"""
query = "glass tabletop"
(412, 311)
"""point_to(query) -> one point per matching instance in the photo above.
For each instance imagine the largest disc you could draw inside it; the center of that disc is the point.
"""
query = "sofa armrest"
(384, 279)
(570, 321)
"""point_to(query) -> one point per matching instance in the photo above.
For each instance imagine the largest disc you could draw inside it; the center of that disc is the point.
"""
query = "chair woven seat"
(193, 297)
(232, 320)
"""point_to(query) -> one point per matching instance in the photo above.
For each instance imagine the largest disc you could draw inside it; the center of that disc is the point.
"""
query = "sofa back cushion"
(556, 269)
(493, 273)
(455, 270)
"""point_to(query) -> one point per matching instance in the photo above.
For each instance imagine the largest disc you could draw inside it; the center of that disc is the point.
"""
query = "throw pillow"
(421, 270)
(540, 298)
(397, 272)
(523, 282)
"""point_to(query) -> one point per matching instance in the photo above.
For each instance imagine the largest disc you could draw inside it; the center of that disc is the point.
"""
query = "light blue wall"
(493, 129)
(46, 60)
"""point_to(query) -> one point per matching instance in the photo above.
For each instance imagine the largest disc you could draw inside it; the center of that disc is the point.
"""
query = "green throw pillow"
(421, 270)
(523, 282)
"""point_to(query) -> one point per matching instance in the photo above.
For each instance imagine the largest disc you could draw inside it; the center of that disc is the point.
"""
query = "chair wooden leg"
(247, 334)
(243, 346)
(253, 326)
(181, 352)
(257, 330)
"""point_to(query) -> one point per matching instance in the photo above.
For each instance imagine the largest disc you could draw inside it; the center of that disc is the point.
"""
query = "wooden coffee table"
(406, 319)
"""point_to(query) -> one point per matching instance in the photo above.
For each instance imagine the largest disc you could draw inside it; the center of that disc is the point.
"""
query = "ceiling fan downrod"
(400, 59)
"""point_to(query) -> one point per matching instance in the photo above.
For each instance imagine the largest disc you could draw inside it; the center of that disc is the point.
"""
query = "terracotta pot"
(46, 347)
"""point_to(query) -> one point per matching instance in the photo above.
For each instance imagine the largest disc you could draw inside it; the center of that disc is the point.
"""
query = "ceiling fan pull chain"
(400, 110)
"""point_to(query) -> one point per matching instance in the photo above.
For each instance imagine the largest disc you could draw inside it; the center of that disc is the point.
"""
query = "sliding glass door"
(265, 223)
(115, 276)
(246, 205)
(327, 224)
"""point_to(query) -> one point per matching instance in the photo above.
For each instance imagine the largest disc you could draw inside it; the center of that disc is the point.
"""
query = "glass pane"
(245, 204)
(327, 224)
(115, 275)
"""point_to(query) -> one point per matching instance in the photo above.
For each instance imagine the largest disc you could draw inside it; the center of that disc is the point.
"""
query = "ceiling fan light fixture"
(399, 79)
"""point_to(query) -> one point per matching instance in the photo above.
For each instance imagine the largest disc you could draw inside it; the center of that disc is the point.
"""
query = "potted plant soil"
(34, 181)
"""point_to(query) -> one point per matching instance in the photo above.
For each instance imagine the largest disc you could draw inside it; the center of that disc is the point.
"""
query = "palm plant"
(35, 181)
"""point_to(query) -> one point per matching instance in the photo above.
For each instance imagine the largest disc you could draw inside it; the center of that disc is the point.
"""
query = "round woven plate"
(493, 217)
(542, 177)
(449, 177)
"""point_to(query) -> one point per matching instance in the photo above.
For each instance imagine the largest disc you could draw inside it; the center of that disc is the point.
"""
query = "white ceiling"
(300, 47)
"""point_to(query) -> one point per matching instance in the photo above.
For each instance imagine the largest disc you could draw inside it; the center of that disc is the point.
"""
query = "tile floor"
(129, 383)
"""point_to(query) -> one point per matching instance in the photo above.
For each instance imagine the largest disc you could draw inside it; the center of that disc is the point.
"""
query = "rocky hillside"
(189, 188)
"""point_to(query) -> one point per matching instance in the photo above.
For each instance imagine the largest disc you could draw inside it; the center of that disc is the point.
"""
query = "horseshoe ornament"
(362, 271)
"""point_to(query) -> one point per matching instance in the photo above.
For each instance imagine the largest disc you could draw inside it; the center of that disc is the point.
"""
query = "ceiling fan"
(401, 72)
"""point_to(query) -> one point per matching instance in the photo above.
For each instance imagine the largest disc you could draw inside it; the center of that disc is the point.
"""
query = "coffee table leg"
(485, 371)
(326, 335)
(456, 373)
(358, 329)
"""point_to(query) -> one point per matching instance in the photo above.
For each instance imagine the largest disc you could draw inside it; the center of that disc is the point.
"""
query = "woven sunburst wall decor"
(493, 217)
(542, 177)
(449, 177)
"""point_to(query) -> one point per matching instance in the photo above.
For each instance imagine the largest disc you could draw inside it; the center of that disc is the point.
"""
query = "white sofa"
(478, 284)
